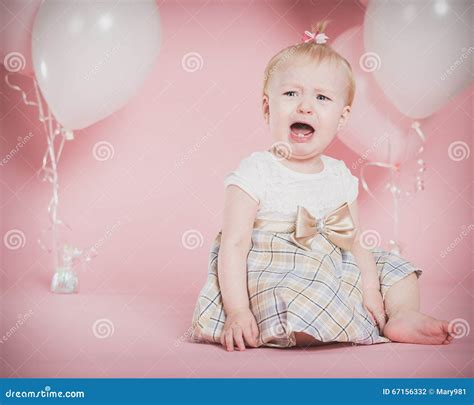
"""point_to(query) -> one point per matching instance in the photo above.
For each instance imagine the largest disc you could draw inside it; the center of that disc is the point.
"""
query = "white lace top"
(279, 189)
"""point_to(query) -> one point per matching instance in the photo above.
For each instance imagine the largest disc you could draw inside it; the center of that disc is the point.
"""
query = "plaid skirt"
(317, 292)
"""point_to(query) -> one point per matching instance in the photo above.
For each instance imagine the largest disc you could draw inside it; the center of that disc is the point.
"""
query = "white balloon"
(425, 49)
(91, 57)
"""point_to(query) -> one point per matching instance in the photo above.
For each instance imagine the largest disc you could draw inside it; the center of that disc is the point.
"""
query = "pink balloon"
(16, 22)
(376, 130)
(90, 58)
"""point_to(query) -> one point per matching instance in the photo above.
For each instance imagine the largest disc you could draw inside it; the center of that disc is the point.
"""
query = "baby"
(288, 267)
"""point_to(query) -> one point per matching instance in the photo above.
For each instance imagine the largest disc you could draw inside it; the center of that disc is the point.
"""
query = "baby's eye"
(290, 93)
(324, 97)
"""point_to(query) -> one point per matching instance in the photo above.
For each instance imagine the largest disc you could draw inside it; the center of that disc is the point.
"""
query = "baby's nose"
(304, 108)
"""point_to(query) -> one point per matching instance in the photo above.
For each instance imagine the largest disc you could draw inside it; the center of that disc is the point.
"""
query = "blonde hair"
(317, 53)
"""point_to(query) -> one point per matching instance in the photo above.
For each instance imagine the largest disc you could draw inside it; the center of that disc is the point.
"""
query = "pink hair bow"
(318, 37)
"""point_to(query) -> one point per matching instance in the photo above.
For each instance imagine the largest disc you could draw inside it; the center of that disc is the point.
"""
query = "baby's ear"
(266, 108)
(344, 117)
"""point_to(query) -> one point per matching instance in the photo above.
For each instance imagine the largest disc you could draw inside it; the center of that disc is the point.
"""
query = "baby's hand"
(240, 324)
(373, 303)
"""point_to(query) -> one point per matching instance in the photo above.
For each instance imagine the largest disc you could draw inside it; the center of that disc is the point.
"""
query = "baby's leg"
(405, 323)
(404, 294)
(306, 340)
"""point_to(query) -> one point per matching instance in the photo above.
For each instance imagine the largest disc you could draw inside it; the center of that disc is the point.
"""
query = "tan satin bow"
(337, 226)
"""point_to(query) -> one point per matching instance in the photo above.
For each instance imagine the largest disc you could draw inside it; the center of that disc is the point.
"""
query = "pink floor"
(146, 338)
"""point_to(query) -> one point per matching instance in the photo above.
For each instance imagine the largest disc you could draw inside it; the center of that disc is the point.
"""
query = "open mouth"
(300, 130)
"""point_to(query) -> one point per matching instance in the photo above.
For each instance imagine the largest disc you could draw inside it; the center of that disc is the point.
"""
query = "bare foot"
(408, 326)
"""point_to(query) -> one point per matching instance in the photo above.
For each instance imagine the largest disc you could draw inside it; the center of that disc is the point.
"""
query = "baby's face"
(306, 106)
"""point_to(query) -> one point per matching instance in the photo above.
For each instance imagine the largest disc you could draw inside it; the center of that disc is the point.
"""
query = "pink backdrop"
(170, 148)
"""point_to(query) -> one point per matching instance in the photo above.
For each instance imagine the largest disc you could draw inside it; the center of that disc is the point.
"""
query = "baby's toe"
(444, 326)
(450, 334)
(447, 329)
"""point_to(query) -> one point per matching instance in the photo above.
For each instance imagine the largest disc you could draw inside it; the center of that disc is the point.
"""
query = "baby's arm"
(238, 218)
(365, 259)
(239, 215)
(369, 276)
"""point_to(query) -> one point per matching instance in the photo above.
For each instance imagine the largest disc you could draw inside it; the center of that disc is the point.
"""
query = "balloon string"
(50, 168)
(40, 105)
(419, 132)
(49, 172)
(17, 88)
(374, 164)
(394, 183)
